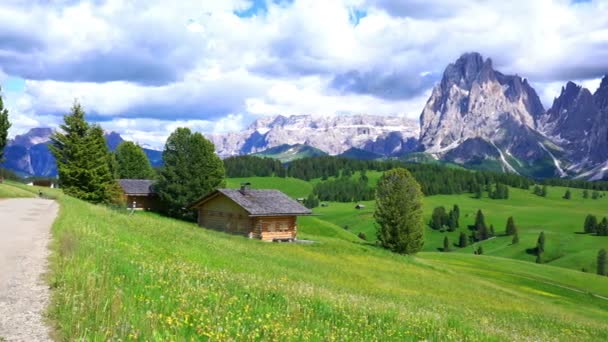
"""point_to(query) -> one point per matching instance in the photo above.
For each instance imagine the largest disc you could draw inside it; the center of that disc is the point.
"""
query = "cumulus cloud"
(142, 67)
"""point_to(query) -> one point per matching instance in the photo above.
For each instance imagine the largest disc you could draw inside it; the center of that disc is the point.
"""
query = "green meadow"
(10, 189)
(116, 276)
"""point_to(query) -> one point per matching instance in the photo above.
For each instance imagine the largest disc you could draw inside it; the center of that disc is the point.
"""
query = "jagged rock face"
(475, 101)
(475, 108)
(578, 122)
(334, 135)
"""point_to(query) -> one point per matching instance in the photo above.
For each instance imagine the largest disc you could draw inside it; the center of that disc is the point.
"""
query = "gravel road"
(24, 235)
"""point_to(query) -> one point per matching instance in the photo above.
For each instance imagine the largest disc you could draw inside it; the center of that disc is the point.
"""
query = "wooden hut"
(139, 194)
(269, 215)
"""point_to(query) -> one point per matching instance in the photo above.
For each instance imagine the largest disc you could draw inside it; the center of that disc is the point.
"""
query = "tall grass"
(145, 277)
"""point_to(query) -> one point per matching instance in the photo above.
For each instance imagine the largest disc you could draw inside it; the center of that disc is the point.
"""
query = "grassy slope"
(152, 278)
(10, 189)
(560, 219)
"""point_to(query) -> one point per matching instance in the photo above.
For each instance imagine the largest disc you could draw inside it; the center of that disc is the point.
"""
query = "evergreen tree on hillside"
(544, 191)
(311, 201)
(537, 190)
(602, 268)
(4, 126)
(439, 218)
(456, 211)
(191, 169)
(398, 212)
(602, 227)
(480, 250)
(132, 162)
(585, 193)
(591, 224)
(463, 240)
(481, 230)
(515, 239)
(452, 221)
(595, 195)
(568, 194)
(83, 160)
(540, 243)
(446, 244)
(510, 229)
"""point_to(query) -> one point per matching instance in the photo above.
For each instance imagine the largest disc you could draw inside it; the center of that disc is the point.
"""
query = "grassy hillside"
(146, 277)
(9, 189)
(291, 186)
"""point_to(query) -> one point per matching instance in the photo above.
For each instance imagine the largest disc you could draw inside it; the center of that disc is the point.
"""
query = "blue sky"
(143, 68)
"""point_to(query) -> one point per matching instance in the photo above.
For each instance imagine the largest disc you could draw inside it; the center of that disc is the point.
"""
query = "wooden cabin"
(139, 194)
(269, 215)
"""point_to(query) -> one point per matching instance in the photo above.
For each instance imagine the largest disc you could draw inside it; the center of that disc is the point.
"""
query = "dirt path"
(24, 235)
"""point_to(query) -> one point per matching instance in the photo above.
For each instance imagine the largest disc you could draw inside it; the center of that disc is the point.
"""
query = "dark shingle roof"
(262, 202)
(137, 186)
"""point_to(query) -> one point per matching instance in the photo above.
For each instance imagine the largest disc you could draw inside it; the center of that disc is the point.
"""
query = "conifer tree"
(480, 250)
(595, 195)
(463, 240)
(591, 224)
(4, 126)
(452, 221)
(456, 211)
(540, 243)
(439, 218)
(602, 268)
(83, 161)
(132, 162)
(515, 239)
(544, 191)
(510, 229)
(191, 169)
(567, 195)
(481, 230)
(446, 244)
(602, 227)
(398, 212)
(585, 193)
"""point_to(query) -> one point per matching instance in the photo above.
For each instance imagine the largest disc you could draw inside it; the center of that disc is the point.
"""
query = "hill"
(286, 153)
(116, 276)
(357, 153)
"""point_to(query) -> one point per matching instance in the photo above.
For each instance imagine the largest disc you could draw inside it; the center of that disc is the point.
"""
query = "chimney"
(245, 188)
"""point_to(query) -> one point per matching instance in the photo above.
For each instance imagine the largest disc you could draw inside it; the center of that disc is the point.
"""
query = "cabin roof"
(258, 202)
(141, 187)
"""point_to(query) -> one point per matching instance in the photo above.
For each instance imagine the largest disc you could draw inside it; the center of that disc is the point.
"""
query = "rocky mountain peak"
(33, 137)
(601, 94)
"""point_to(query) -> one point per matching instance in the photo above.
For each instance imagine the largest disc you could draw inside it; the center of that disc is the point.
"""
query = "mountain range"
(476, 117)
(28, 154)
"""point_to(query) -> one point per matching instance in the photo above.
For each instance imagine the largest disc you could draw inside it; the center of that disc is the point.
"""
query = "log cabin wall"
(142, 202)
(221, 213)
(269, 228)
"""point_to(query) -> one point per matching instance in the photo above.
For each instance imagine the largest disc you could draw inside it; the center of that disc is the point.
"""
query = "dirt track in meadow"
(25, 226)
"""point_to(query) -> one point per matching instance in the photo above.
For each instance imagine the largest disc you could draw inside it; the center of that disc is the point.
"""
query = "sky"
(145, 67)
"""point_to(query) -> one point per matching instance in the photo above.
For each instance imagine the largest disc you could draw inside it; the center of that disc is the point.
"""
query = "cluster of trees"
(594, 195)
(86, 168)
(499, 191)
(542, 192)
(312, 202)
(480, 230)
(89, 171)
(593, 226)
(250, 166)
(441, 219)
(577, 183)
(344, 190)
(567, 195)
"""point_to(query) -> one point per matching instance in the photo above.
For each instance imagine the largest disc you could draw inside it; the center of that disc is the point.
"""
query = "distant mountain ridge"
(384, 135)
(28, 154)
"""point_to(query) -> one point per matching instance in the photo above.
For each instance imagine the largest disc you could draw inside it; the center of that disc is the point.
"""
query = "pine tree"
(595, 195)
(191, 169)
(399, 212)
(4, 126)
(132, 162)
(446, 244)
(544, 192)
(537, 190)
(540, 243)
(83, 161)
(481, 230)
(602, 268)
(510, 229)
(567, 195)
(452, 221)
(456, 211)
(463, 240)
(591, 224)
(480, 250)
(602, 227)
(515, 239)
(311, 201)
(585, 193)
(439, 218)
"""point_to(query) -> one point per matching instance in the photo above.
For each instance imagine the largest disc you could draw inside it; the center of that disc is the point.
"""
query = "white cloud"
(144, 67)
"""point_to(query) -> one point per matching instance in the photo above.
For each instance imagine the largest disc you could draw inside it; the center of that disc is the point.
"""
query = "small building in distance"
(269, 215)
(139, 194)
(360, 206)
